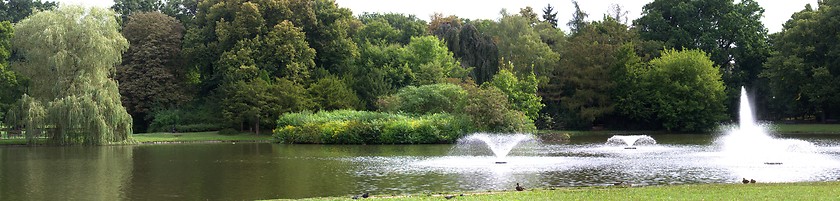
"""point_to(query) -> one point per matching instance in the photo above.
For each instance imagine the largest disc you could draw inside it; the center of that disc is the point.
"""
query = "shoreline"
(821, 190)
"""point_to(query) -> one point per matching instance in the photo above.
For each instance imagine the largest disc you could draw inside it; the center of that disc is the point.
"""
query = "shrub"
(361, 127)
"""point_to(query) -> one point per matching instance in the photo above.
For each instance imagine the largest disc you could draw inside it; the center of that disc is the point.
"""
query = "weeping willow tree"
(69, 56)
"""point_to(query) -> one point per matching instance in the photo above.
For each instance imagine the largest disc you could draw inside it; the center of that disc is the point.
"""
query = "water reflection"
(246, 171)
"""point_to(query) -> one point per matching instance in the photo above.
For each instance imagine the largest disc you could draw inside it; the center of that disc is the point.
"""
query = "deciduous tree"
(70, 54)
(151, 76)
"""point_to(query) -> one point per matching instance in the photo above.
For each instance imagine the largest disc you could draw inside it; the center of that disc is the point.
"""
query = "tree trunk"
(257, 125)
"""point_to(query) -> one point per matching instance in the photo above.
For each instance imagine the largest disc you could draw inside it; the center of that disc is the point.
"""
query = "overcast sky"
(776, 11)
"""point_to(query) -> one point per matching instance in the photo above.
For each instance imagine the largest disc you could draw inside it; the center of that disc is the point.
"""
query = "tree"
(521, 93)
(529, 14)
(425, 99)
(479, 52)
(128, 7)
(16, 10)
(618, 13)
(10, 83)
(578, 20)
(550, 16)
(447, 29)
(405, 26)
(681, 91)
(732, 33)
(258, 102)
(231, 26)
(803, 72)
(150, 76)
(520, 45)
(331, 93)
(430, 61)
(590, 70)
(69, 55)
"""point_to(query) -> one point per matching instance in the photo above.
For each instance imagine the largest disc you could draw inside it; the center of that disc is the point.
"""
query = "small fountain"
(499, 144)
(630, 141)
(750, 142)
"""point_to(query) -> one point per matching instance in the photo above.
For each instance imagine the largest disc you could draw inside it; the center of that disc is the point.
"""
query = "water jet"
(499, 144)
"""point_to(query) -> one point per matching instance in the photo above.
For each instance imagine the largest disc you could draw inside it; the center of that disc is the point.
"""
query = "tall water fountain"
(499, 145)
(750, 142)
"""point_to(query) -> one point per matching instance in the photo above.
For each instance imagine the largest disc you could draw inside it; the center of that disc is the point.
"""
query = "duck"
(519, 188)
(363, 195)
(752, 181)
(744, 180)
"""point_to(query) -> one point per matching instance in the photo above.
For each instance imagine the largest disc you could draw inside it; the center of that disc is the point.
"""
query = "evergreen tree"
(550, 16)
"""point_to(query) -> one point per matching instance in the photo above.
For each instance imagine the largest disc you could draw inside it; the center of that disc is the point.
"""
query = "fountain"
(630, 141)
(750, 142)
(499, 144)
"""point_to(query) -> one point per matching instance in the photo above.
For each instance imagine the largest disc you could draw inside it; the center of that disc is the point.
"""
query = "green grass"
(780, 191)
(20, 141)
(198, 137)
(806, 128)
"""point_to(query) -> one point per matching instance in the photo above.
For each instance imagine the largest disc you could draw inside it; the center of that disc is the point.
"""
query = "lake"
(247, 171)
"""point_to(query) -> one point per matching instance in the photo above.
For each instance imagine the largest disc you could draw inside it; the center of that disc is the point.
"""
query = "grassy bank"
(780, 191)
(198, 137)
(806, 128)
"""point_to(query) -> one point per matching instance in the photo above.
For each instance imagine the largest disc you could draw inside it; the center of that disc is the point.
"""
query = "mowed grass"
(198, 137)
(806, 128)
(775, 191)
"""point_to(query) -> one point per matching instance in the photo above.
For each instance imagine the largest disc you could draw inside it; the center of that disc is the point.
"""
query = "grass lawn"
(198, 137)
(780, 191)
(806, 128)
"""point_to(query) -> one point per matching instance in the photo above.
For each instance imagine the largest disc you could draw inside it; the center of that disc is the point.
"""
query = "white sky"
(776, 11)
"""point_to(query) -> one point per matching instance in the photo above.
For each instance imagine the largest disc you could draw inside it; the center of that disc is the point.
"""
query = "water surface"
(247, 171)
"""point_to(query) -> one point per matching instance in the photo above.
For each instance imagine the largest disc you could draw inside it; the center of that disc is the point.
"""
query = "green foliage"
(126, 8)
(550, 16)
(590, 71)
(69, 54)
(10, 84)
(521, 94)
(803, 71)
(426, 99)
(286, 39)
(730, 31)
(489, 110)
(430, 61)
(151, 75)
(331, 93)
(681, 91)
(390, 28)
(16, 10)
(259, 102)
(520, 44)
(360, 127)
(195, 117)
(380, 69)
(578, 21)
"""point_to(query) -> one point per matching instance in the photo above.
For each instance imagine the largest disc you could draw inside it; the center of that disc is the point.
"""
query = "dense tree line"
(207, 65)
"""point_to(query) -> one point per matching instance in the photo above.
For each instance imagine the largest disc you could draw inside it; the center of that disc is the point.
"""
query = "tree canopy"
(70, 54)
(680, 91)
(804, 69)
(151, 77)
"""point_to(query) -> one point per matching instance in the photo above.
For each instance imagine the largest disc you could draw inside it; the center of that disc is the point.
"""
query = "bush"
(361, 127)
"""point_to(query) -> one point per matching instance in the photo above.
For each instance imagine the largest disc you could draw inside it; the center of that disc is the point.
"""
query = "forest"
(94, 75)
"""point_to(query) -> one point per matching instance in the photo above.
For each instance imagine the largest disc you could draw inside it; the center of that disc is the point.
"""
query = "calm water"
(246, 171)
